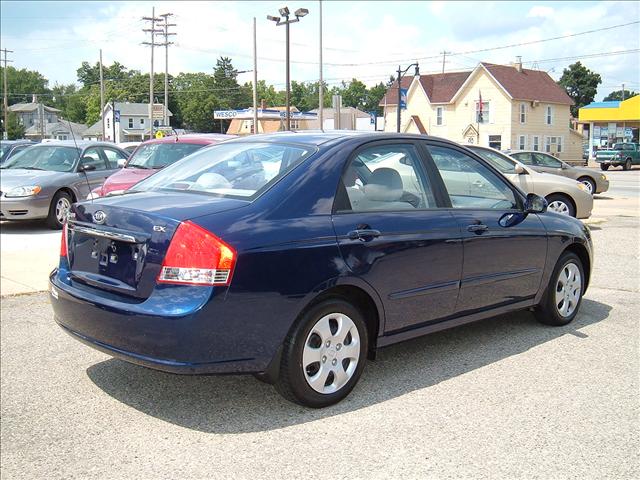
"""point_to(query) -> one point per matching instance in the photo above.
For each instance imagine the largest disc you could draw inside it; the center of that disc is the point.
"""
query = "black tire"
(591, 183)
(627, 165)
(292, 383)
(547, 311)
(604, 167)
(558, 197)
(53, 221)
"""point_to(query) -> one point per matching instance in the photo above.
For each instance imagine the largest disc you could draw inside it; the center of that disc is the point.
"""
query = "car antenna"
(86, 178)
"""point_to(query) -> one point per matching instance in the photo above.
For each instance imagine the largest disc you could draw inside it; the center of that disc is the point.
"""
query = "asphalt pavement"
(503, 398)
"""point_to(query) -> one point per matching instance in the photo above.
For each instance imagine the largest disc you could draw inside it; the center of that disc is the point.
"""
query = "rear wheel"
(604, 167)
(627, 164)
(60, 206)
(561, 204)
(324, 355)
(589, 183)
(563, 295)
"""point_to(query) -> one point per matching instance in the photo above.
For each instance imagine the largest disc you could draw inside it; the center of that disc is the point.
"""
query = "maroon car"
(152, 156)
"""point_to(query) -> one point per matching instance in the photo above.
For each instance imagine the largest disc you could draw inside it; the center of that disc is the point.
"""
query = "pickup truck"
(621, 155)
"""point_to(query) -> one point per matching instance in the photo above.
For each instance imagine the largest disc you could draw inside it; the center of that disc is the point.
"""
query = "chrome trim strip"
(104, 234)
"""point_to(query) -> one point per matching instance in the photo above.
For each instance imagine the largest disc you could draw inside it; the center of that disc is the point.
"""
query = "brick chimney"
(518, 64)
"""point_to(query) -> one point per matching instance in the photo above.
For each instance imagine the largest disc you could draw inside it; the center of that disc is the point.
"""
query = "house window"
(536, 143)
(522, 142)
(495, 141)
(130, 122)
(482, 117)
(142, 121)
(523, 113)
(552, 142)
(295, 124)
(439, 116)
(108, 123)
(549, 118)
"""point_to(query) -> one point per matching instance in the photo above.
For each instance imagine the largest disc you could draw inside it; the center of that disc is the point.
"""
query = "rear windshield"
(159, 155)
(497, 160)
(52, 158)
(623, 146)
(241, 170)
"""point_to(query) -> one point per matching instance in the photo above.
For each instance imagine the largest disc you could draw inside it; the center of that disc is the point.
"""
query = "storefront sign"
(628, 132)
(597, 131)
(619, 132)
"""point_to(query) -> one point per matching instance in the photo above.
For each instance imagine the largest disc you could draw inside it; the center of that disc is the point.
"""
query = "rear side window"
(497, 160)
(385, 177)
(113, 156)
(524, 157)
(469, 183)
(159, 155)
(546, 160)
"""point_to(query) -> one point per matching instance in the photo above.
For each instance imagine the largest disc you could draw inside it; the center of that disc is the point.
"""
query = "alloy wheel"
(589, 185)
(568, 289)
(62, 209)
(559, 206)
(331, 353)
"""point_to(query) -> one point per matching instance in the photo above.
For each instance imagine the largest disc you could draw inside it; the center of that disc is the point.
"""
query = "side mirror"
(86, 167)
(519, 169)
(121, 162)
(535, 204)
(563, 166)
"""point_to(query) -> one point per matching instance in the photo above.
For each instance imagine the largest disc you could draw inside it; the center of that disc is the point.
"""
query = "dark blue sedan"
(306, 253)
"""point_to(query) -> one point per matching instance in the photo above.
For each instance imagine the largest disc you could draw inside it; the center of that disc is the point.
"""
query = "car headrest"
(212, 180)
(385, 185)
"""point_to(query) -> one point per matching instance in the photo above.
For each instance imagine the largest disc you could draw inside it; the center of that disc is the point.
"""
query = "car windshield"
(4, 148)
(235, 169)
(52, 158)
(159, 155)
(497, 160)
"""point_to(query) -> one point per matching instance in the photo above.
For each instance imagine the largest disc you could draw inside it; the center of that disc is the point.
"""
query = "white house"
(131, 123)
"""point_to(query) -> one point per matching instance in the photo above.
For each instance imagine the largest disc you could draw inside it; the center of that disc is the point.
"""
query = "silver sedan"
(42, 181)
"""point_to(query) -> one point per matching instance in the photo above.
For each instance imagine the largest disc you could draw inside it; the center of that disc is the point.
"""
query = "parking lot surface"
(502, 398)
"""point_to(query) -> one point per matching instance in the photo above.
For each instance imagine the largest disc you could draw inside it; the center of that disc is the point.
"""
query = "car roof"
(193, 138)
(16, 142)
(79, 143)
(319, 137)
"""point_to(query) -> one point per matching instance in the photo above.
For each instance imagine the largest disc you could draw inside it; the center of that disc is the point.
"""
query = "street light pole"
(400, 74)
(284, 12)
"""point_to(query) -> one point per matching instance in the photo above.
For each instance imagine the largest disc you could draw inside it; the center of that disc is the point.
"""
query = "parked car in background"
(564, 195)
(42, 181)
(623, 155)
(129, 147)
(544, 162)
(154, 155)
(8, 148)
(301, 277)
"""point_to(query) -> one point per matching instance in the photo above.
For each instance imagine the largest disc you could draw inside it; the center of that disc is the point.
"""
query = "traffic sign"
(159, 134)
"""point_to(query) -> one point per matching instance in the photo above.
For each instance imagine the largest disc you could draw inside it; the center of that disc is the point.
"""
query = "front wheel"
(561, 204)
(60, 206)
(604, 166)
(627, 165)
(563, 296)
(324, 355)
(589, 183)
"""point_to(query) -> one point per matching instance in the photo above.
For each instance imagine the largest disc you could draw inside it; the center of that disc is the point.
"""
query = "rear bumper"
(172, 331)
(24, 208)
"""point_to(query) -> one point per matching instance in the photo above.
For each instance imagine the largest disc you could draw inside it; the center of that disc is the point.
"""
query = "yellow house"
(521, 109)
(611, 122)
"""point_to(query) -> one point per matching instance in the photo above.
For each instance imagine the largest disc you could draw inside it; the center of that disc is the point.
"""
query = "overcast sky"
(365, 40)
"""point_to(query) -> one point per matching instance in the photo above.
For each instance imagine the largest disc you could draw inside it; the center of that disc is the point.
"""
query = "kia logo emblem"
(99, 217)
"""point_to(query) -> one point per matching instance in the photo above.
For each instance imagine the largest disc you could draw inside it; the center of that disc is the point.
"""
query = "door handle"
(477, 228)
(363, 234)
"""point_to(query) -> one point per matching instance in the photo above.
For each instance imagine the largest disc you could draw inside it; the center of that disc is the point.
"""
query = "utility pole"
(622, 91)
(255, 78)
(5, 100)
(321, 84)
(153, 30)
(444, 54)
(166, 44)
(101, 96)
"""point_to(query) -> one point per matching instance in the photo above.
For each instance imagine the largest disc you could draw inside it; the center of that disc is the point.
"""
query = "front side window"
(439, 116)
(523, 113)
(469, 183)
(91, 156)
(546, 160)
(241, 170)
(499, 161)
(522, 142)
(385, 177)
(51, 158)
(113, 156)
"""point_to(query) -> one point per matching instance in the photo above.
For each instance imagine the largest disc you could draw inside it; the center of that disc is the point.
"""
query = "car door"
(90, 179)
(504, 250)
(392, 234)
(547, 163)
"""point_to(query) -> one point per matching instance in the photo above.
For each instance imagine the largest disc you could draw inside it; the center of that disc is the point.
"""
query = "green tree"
(196, 100)
(90, 74)
(268, 93)
(22, 84)
(374, 95)
(617, 95)
(15, 129)
(71, 101)
(581, 84)
(354, 94)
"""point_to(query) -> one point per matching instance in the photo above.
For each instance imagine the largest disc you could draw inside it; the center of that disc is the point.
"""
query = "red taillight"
(197, 257)
(63, 241)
